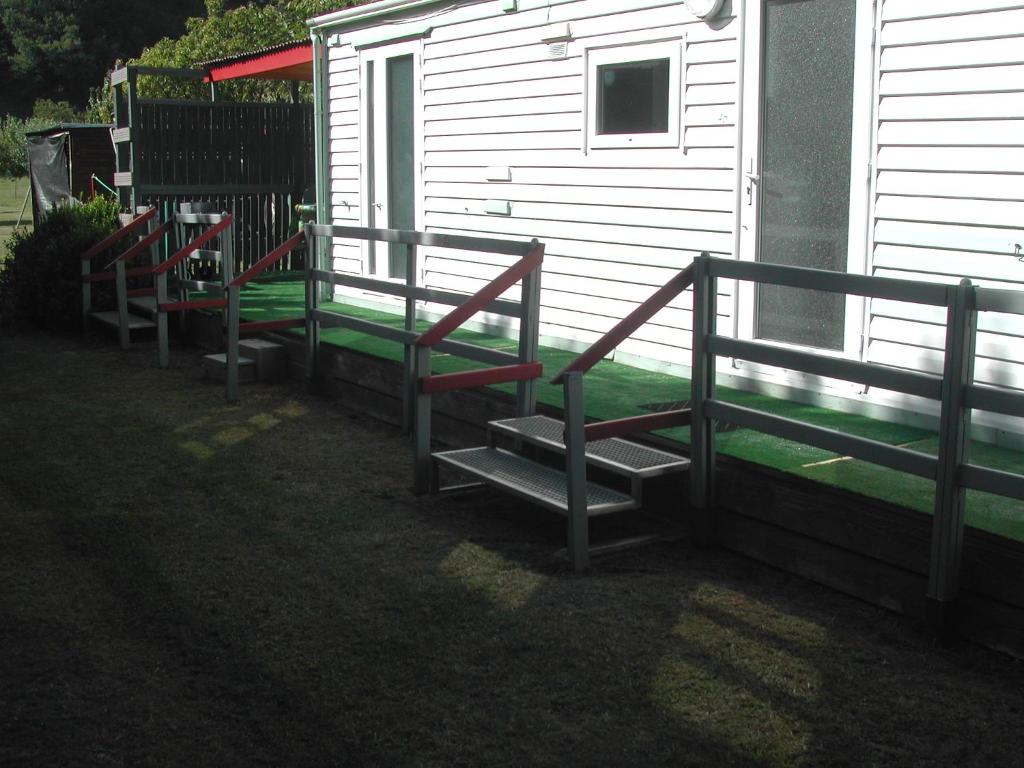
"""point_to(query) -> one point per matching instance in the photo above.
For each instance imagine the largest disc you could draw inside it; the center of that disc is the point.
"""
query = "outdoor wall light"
(704, 9)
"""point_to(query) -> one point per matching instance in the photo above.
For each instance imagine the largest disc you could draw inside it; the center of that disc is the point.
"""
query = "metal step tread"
(538, 483)
(111, 318)
(614, 454)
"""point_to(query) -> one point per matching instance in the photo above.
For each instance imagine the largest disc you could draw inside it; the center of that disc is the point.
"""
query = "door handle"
(752, 179)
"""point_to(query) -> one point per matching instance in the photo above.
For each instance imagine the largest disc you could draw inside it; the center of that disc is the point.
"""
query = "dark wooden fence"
(251, 160)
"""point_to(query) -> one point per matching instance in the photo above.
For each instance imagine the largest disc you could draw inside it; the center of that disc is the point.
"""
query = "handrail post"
(529, 338)
(954, 443)
(576, 472)
(121, 289)
(231, 361)
(312, 300)
(183, 235)
(408, 362)
(702, 389)
(421, 466)
(154, 249)
(163, 342)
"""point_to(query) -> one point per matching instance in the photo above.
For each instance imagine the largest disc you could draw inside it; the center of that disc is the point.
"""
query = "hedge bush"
(40, 282)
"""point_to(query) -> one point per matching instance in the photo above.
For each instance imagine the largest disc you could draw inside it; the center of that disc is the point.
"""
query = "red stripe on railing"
(648, 422)
(625, 327)
(195, 245)
(483, 297)
(136, 293)
(271, 258)
(144, 243)
(113, 239)
(272, 325)
(481, 377)
(175, 306)
(98, 277)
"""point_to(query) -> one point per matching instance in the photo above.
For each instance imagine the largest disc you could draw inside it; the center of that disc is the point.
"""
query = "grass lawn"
(184, 582)
(12, 197)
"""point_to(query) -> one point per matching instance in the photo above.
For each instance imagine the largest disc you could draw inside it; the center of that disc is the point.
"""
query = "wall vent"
(558, 50)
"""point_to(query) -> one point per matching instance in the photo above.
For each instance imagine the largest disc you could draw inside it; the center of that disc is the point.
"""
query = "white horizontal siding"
(950, 174)
(343, 151)
(616, 223)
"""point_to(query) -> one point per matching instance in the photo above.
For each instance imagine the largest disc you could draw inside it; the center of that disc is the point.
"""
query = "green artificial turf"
(614, 390)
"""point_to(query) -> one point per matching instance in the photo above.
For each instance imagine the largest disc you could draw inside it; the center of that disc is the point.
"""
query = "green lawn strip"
(613, 390)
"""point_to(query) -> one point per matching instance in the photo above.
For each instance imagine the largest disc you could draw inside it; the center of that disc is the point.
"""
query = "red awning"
(288, 61)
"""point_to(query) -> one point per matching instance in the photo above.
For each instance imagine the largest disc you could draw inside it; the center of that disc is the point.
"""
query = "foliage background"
(62, 49)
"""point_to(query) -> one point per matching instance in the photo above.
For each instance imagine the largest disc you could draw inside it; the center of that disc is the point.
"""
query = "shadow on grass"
(254, 585)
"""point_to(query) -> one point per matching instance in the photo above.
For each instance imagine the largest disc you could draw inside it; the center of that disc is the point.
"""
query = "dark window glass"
(401, 163)
(632, 97)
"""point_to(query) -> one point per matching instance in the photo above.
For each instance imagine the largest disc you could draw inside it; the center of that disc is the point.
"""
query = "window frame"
(628, 54)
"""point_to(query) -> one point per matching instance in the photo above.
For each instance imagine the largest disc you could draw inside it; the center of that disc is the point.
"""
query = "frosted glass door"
(807, 70)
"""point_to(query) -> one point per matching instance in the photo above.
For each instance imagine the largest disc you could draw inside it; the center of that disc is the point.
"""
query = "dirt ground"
(184, 582)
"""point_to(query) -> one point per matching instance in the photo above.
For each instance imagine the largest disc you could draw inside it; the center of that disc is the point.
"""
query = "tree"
(58, 49)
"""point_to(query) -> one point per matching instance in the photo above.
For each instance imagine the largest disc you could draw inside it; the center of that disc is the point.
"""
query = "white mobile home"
(881, 138)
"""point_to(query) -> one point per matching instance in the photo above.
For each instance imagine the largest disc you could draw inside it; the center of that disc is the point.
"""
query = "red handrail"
(481, 377)
(195, 245)
(144, 243)
(111, 240)
(625, 327)
(274, 256)
(647, 422)
(483, 297)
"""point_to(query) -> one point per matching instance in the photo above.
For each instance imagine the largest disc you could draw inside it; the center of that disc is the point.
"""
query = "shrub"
(40, 282)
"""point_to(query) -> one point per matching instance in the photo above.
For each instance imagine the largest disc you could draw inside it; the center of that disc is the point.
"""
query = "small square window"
(633, 96)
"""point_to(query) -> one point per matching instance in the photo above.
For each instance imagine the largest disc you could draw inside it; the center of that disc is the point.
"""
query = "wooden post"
(421, 437)
(702, 389)
(576, 472)
(132, 105)
(954, 442)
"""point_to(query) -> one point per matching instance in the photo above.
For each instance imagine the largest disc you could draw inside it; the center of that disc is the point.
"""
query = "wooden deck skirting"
(865, 547)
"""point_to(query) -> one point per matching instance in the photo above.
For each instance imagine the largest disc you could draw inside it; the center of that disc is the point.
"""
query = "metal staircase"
(547, 486)
(599, 445)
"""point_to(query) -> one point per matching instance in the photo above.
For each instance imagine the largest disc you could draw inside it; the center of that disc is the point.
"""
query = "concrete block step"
(271, 358)
(622, 457)
(216, 367)
(535, 482)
